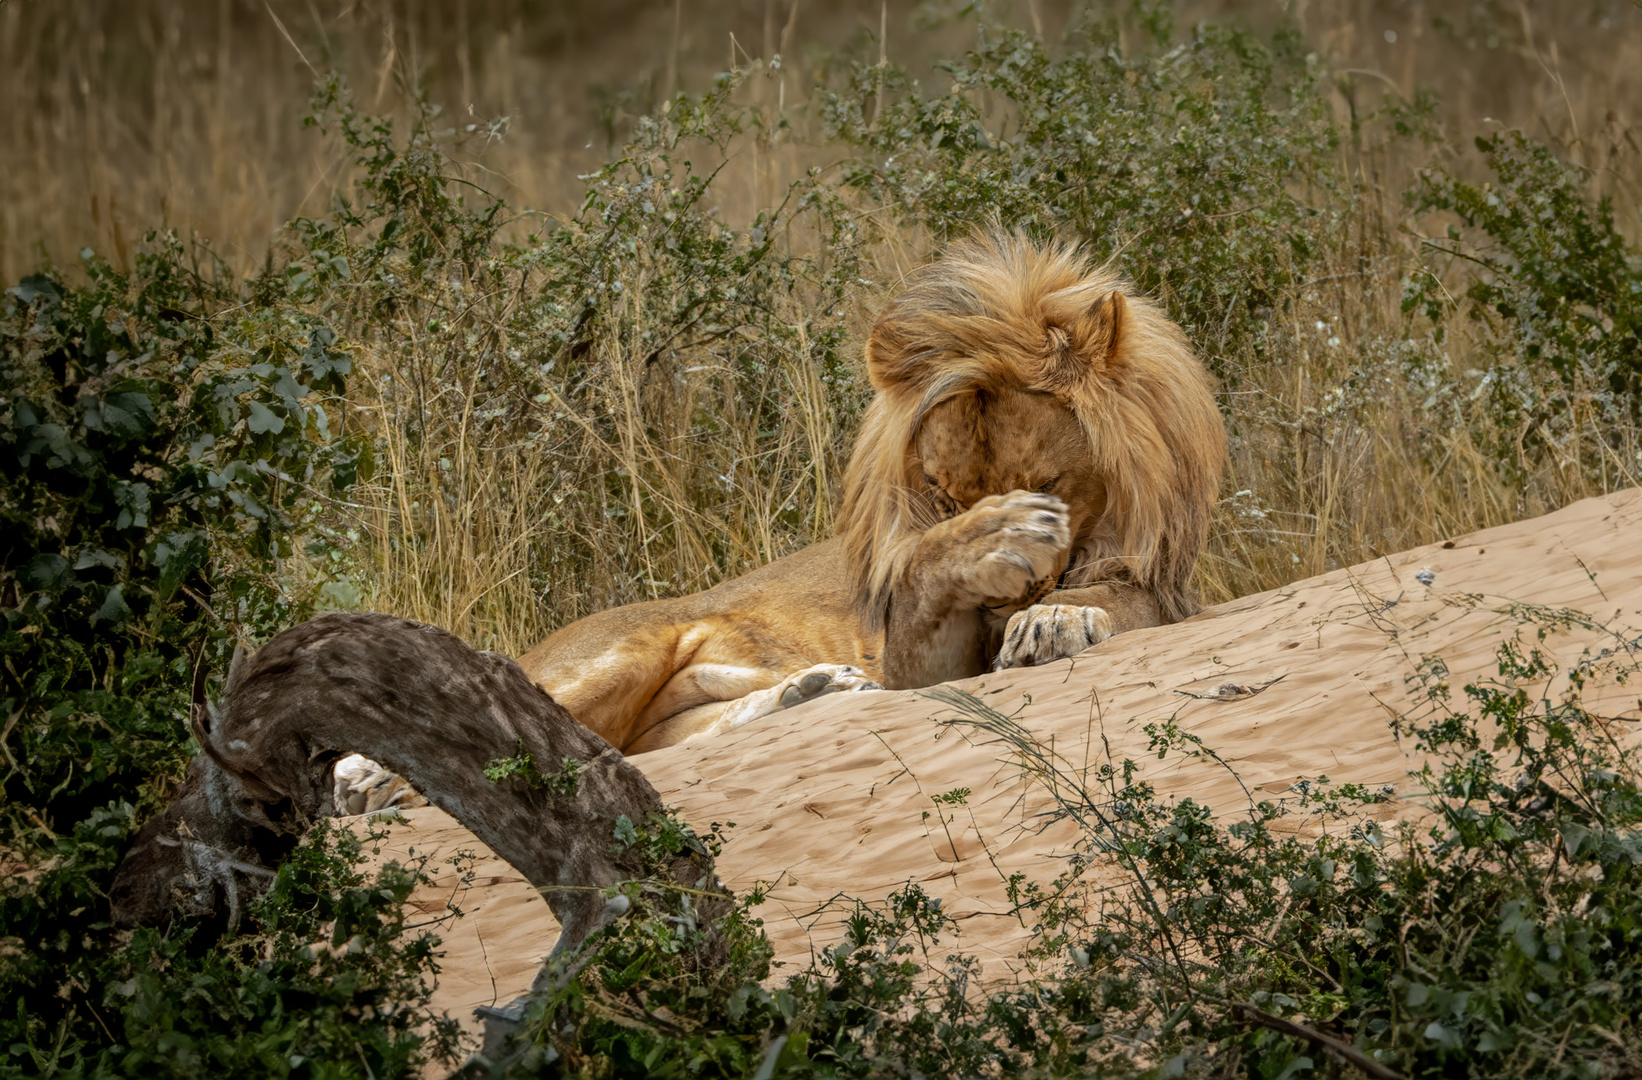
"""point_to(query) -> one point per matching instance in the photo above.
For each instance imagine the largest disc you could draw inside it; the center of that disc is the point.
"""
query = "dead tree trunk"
(422, 703)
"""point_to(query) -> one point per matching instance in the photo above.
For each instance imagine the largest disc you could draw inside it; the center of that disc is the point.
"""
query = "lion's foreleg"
(1068, 621)
(1128, 607)
(937, 625)
(924, 645)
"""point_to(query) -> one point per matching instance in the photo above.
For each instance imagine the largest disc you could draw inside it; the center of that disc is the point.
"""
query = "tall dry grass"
(586, 503)
(506, 503)
(128, 115)
(134, 114)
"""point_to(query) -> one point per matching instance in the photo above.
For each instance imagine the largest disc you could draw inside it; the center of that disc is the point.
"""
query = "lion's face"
(1060, 376)
(997, 441)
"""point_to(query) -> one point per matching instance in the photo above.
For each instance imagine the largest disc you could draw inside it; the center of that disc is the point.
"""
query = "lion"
(1038, 469)
(1036, 472)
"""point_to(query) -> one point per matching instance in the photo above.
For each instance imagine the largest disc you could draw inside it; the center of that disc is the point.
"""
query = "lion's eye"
(1048, 485)
(943, 502)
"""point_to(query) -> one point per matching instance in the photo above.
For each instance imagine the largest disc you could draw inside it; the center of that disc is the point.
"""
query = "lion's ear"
(1087, 342)
(886, 352)
(1096, 333)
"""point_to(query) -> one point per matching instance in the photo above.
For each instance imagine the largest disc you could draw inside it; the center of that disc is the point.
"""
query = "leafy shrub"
(1501, 933)
(1192, 166)
(154, 474)
(328, 980)
(162, 437)
(1554, 286)
(658, 327)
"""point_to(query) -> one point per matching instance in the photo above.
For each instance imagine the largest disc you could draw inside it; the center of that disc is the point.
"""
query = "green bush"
(155, 472)
(1208, 170)
(162, 437)
(325, 980)
(1500, 935)
(1553, 286)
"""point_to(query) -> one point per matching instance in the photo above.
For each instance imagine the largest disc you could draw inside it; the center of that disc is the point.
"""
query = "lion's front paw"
(820, 680)
(1045, 632)
(1007, 543)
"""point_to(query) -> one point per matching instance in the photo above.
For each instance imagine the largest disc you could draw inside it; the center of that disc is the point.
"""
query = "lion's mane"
(998, 310)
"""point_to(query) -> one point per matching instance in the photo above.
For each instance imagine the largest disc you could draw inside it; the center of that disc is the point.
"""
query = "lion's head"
(1006, 365)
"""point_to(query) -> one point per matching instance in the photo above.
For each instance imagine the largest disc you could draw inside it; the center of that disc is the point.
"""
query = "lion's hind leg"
(716, 717)
(797, 688)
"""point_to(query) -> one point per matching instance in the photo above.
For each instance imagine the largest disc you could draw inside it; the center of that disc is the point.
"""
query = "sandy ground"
(834, 799)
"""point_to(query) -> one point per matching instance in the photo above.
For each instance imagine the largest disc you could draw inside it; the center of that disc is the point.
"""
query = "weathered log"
(421, 702)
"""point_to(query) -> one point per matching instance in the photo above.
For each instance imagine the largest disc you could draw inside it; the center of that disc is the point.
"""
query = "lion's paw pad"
(821, 680)
(1045, 632)
(364, 787)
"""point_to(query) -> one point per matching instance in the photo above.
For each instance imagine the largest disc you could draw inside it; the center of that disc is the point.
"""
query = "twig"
(77, 985)
(1382, 76)
(1231, 691)
(288, 37)
(1590, 574)
(1344, 1051)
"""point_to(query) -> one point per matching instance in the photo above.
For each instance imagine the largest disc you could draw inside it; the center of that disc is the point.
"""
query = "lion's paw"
(820, 680)
(361, 786)
(795, 689)
(1010, 542)
(1045, 632)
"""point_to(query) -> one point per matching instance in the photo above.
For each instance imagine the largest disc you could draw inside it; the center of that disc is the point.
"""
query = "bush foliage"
(1207, 168)
(1497, 933)
(427, 402)
(157, 472)
(1560, 290)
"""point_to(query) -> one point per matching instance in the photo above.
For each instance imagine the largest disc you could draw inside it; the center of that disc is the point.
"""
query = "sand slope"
(835, 798)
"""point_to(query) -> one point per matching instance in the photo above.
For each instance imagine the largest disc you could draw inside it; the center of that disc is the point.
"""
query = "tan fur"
(649, 675)
(361, 786)
(1003, 369)
(1000, 313)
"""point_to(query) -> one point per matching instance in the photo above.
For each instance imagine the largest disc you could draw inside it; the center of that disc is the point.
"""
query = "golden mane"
(999, 310)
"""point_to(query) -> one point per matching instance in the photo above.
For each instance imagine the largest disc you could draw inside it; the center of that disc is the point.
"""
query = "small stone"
(1425, 575)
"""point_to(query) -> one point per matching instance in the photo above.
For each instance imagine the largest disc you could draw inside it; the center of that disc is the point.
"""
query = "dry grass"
(468, 508)
(502, 523)
(188, 114)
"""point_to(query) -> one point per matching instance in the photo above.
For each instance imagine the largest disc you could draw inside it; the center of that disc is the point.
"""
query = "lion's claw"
(1008, 542)
(1045, 632)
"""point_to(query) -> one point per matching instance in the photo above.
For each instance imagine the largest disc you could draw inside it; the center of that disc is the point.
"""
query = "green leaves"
(113, 610)
(150, 469)
(1186, 165)
(126, 414)
(562, 782)
(45, 573)
(263, 420)
(328, 366)
(1560, 290)
(274, 1001)
(1498, 932)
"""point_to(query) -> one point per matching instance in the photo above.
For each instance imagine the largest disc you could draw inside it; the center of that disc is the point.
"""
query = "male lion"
(1036, 473)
